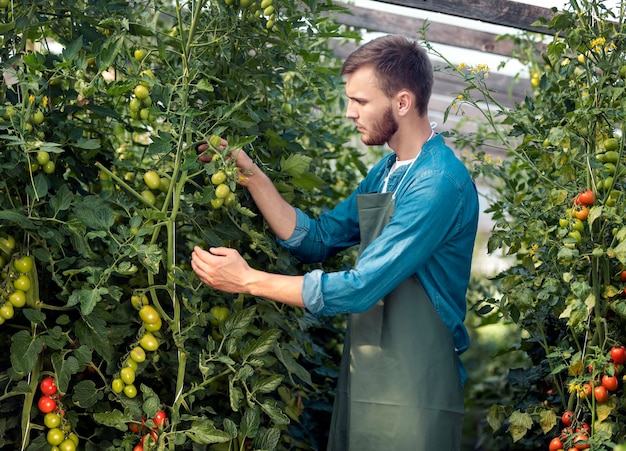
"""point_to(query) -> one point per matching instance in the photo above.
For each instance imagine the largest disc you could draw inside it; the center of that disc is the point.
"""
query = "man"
(415, 217)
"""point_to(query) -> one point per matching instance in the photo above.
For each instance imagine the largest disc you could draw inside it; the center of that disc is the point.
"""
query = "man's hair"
(398, 63)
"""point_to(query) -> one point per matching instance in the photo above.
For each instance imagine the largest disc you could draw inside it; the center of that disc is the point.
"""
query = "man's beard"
(382, 130)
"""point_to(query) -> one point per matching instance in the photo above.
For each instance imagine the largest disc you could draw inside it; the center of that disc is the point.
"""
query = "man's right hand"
(244, 163)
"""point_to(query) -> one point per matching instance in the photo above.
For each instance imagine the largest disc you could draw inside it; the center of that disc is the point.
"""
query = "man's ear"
(404, 102)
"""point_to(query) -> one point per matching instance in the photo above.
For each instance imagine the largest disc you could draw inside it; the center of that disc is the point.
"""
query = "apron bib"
(398, 386)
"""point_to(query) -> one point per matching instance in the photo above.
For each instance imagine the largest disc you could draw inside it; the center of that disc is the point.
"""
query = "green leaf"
(203, 432)
(547, 420)
(86, 394)
(62, 200)
(91, 331)
(235, 394)
(296, 164)
(71, 51)
(150, 256)
(250, 422)
(275, 413)
(16, 217)
(237, 324)
(262, 344)
(88, 298)
(25, 349)
(115, 419)
(268, 384)
(64, 369)
(267, 439)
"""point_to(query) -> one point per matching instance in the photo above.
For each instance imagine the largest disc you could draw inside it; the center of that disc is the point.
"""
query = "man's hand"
(221, 268)
(244, 163)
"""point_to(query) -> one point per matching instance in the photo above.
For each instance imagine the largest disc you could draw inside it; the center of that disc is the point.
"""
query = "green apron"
(399, 386)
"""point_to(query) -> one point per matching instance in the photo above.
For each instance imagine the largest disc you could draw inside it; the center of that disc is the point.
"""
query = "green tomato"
(139, 54)
(49, 167)
(117, 385)
(127, 374)
(222, 190)
(219, 313)
(153, 327)
(230, 200)
(149, 342)
(148, 314)
(24, 264)
(17, 298)
(148, 196)
(22, 283)
(6, 311)
(217, 203)
(67, 445)
(43, 157)
(141, 92)
(130, 390)
(52, 420)
(218, 178)
(138, 354)
(37, 117)
(55, 436)
(152, 179)
(134, 105)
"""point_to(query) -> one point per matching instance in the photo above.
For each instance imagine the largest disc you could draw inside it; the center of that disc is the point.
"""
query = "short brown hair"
(399, 63)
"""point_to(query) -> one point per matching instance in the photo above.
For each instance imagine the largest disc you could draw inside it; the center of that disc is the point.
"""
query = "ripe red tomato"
(582, 437)
(48, 386)
(587, 197)
(46, 404)
(556, 444)
(618, 354)
(609, 382)
(160, 418)
(567, 418)
(622, 276)
(601, 394)
(586, 391)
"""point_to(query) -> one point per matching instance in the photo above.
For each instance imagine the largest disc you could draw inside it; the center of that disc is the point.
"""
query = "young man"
(415, 217)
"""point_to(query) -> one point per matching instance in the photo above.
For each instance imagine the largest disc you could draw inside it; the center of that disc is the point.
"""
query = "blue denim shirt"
(431, 235)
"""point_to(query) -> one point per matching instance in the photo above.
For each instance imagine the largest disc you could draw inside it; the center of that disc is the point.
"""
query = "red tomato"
(609, 382)
(618, 354)
(46, 404)
(556, 444)
(585, 198)
(601, 394)
(160, 418)
(622, 276)
(567, 418)
(582, 437)
(48, 386)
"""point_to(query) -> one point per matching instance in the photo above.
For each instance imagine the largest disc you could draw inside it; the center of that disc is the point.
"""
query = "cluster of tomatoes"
(124, 381)
(265, 8)
(59, 435)
(576, 433)
(223, 195)
(149, 435)
(16, 278)
(154, 182)
(141, 100)
(578, 214)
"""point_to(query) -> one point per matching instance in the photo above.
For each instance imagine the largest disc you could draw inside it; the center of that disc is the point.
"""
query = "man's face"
(369, 108)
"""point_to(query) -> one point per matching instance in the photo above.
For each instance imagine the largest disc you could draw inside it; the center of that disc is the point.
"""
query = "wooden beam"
(499, 12)
(385, 22)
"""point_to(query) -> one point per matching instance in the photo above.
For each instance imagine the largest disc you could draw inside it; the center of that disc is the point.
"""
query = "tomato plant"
(566, 247)
(104, 197)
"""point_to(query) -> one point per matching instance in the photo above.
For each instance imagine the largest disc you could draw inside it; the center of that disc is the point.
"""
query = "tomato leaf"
(296, 164)
(250, 422)
(547, 420)
(114, 418)
(25, 349)
(276, 415)
(495, 417)
(64, 369)
(150, 256)
(519, 424)
(203, 432)
(268, 384)
(262, 344)
(86, 394)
